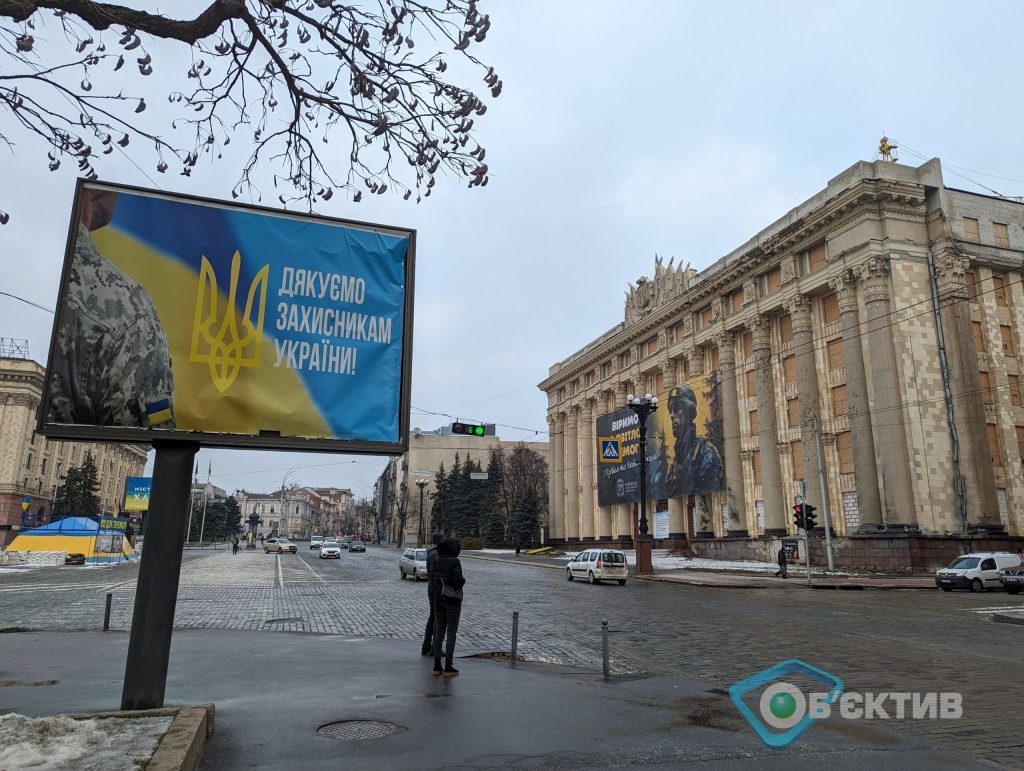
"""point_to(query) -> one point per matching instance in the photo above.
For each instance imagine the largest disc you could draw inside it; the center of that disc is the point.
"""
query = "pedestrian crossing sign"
(610, 451)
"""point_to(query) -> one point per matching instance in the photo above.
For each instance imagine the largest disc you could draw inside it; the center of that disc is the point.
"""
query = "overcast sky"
(623, 130)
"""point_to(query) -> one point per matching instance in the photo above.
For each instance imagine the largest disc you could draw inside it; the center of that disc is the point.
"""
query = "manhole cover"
(358, 729)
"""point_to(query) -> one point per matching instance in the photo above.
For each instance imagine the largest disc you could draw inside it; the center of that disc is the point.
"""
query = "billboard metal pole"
(156, 594)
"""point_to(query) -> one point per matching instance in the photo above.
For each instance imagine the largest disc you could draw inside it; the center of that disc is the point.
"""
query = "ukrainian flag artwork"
(276, 324)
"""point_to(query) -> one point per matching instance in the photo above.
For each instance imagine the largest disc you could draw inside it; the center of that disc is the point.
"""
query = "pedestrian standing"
(448, 604)
(234, 544)
(261, 539)
(782, 563)
(433, 588)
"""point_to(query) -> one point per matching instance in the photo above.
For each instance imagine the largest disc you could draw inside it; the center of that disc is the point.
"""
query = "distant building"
(31, 465)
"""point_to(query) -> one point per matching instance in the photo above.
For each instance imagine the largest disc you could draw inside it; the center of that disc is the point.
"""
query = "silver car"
(413, 562)
(330, 549)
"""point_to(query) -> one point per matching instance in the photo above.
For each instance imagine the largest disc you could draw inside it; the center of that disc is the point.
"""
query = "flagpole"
(202, 527)
(191, 503)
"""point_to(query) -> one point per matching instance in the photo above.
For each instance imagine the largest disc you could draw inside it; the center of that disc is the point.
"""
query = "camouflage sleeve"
(135, 375)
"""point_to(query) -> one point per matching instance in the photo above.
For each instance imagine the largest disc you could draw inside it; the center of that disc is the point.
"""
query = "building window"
(29, 464)
(789, 369)
(589, 379)
(844, 446)
(830, 308)
(993, 444)
(1020, 441)
(575, 387)
(769, 282)
(793, 412)
(1001, 234)
(714, 358)
(971, 229)
(1014, 390)
(1006, 336)
(755, 462)
(748, 344)
(751, 377)
(606, 369)
(979, 337)
(734, 303)
(679, 331)
(816, 258)
(999, 287)
(625, 359)
(834, 350)
(786, 328)
(754, 425)
(796, 450)
(986, 387)
(561, 394)
(659, 382)
(840, 405)
(650, 347)
(972, 289)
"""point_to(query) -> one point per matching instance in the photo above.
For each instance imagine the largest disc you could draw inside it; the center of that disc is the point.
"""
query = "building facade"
(32, 466)
(865, 350)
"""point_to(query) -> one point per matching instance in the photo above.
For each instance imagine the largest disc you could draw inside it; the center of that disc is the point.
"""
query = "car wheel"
(622, 582)
(401, 572)
(280, 550)
(266, 550)
(946, 588)
(977, 585)
(1013, 590)
(568, 574)
(416, 575)
(594, 579)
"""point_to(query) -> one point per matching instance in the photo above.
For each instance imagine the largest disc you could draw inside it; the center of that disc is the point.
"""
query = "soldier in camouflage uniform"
(112, 365)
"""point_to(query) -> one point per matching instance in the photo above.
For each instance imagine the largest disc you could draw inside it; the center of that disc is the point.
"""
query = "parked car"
(977, 571)
(330, 549)
(1012, 578)
(316, 541)
(357, 546)
(279, 545)
(597, 565)
(413, 562)
(74, 558)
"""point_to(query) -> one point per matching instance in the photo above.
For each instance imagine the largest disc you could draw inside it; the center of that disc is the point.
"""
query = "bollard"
(515, 637)
(604, 649)
(106, 613)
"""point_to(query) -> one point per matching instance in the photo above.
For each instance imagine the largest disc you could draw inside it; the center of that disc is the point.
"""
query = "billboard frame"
(264, 440)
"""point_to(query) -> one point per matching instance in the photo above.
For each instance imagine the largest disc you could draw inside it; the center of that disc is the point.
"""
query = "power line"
(28, 302)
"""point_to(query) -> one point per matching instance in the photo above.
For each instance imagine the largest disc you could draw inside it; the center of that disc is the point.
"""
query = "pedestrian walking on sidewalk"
(781, 572)
(448, 604)
(234, 544)
(433, 589)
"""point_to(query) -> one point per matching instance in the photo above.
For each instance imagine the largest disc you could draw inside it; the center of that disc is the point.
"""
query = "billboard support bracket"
(156, 593)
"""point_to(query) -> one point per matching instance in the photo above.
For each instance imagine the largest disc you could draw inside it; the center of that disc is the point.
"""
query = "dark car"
(357, 546)
(1012, 579)
(74, 558)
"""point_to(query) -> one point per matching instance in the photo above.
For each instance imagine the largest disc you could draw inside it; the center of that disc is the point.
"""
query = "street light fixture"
(421, 538)
(643, 407)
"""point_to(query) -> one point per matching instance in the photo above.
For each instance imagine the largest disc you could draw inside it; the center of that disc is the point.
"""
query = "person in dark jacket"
(433, 589)
(448, 572)
(782, 563)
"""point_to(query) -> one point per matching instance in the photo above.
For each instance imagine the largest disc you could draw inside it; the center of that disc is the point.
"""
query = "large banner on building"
(684, 446)
(229, 325)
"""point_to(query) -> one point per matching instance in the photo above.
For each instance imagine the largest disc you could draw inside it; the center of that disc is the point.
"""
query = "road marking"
(48, 588)
(997, 608)
(114, 586)
(312, 571)
(280, 575)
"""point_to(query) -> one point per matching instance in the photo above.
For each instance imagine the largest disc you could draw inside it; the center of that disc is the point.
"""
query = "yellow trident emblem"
(216, 339)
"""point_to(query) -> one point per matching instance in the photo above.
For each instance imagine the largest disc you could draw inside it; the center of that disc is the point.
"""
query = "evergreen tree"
(76, 494)
(525, 524)
(233, 517)
(439, 515)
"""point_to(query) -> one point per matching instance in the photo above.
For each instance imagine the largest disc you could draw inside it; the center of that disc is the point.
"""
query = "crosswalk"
(988, 610)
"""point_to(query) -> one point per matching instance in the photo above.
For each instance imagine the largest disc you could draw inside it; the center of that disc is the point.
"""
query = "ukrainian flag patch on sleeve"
(158, 412)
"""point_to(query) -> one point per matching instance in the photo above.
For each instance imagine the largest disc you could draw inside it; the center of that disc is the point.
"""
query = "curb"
(181, 748)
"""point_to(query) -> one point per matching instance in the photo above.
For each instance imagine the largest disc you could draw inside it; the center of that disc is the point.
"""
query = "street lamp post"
(421, 538)
(643, 407)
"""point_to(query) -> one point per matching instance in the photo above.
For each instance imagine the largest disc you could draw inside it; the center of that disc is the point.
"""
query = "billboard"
(136, 493)
(233, 326)
(684, 446)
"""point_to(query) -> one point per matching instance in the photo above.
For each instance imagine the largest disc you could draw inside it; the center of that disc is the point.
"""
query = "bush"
(471, 543)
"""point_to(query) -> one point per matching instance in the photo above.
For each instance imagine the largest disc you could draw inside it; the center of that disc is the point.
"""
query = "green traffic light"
(478, 430)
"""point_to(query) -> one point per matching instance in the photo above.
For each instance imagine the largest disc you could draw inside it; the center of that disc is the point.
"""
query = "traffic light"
(798, 515)
(467, 429)
(809, 516)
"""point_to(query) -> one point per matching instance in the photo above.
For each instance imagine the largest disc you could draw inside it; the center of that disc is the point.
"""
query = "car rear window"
(614, 557)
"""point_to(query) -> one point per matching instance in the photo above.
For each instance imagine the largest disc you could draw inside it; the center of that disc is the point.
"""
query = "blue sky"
(674, 128)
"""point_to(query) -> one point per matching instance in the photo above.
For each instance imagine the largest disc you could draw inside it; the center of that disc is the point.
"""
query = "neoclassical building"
(866, 344)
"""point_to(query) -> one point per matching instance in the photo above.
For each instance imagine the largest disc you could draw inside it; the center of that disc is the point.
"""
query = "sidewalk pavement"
(273, 690)
(797, 577)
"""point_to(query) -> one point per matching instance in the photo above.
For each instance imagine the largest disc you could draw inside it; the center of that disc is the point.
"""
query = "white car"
(330, 549)
(413, 562)
(316, 541)
(977, 571)
(597, 565)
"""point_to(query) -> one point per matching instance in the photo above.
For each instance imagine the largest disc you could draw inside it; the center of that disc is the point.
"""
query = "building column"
(587, 456)
(556, 495)
(775, 498)
(869, 503)
(606, 514)
(888, 403)
(809, 396)
(968, 401)
(736, 522)
(676, 506)
(572, 475)
(623, 511)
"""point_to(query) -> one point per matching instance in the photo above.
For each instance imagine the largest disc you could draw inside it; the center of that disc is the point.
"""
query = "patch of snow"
(111, 744)
(19, 570)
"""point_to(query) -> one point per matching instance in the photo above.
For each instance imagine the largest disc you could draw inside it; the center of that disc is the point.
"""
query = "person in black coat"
(448, 573)
(433, 589)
